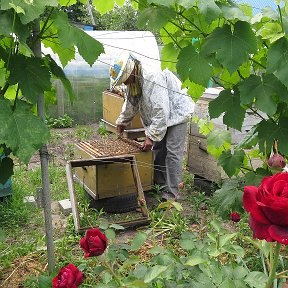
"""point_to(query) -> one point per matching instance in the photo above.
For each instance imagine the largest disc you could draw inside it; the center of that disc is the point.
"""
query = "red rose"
(94, 243)
(268, 208)
(235, 216)
(68, 277)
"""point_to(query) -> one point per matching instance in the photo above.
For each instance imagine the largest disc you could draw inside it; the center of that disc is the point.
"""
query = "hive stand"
(99, 161)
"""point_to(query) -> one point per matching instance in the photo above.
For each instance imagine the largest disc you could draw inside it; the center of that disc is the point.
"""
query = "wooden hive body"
(113, 179)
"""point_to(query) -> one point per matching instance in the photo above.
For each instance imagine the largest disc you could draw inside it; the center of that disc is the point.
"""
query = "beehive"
(112, 106)
(200, 162)
(113, 179)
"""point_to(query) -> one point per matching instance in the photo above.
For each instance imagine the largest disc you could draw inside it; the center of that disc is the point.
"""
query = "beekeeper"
(164, 109)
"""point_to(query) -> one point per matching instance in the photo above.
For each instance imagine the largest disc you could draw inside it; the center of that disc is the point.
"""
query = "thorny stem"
(112, 272)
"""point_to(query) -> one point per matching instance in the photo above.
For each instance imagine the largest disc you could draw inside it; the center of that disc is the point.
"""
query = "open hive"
(113, 179)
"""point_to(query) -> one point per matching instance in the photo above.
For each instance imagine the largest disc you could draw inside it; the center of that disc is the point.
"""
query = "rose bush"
(68, 277)
(94, 243)
(268, 206)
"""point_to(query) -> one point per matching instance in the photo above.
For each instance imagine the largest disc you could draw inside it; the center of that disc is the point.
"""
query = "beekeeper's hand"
(147, 145)
(120, 129)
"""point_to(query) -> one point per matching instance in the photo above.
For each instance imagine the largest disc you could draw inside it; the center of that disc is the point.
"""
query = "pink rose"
(68, 277)
(268, 208)
(94, 243)
(235, 217)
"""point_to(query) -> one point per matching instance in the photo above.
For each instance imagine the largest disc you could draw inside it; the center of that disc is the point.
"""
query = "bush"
(64, 121)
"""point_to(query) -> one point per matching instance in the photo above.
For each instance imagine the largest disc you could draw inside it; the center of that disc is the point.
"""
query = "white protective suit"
(162, 104)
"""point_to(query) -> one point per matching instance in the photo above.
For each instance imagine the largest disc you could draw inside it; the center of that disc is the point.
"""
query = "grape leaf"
(154, 17)
(187, 4)
(59, 73)
(231, 163)
(229, 103)
(217, 138)
(194, 90)
(255, 178)
(277, 60)
(232, 48)
(268, 131)
(31, 74)
(192, 65)
(7, 26)
(103, 6)
(32, 9)
(16, 132)
(209, 9)
(166, 3)
(261, 89)
(67, 2)
(232, 12)
(169, 54)
(88, 47)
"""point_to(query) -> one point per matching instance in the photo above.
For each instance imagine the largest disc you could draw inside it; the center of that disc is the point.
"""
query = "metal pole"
(44, 164)
(90, 12)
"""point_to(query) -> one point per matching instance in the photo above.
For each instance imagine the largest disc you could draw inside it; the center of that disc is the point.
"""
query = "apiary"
(113, 179)
(112, 107)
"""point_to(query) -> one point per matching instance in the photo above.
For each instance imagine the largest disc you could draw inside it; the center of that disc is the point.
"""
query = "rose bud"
(276, 161)
(68, 277)
(235, 216)
(94, 243)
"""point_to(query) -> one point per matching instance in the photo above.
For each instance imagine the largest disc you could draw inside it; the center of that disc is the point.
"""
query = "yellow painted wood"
(112, 106)
(108, 180)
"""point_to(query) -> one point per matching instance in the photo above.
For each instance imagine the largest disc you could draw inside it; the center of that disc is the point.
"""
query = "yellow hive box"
(112, 106)
(109, 180)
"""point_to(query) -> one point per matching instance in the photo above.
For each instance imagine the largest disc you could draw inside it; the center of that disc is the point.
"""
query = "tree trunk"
(44, 159)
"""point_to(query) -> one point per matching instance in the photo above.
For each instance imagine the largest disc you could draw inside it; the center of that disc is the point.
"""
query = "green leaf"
(235, 249)
(103, 6)
(58, 72)
(271, 31)
(268, 131)
(187, 244)
(6, 169)
(7, 26)
(250, 140)
(67, 2)
(263, 90)
(231, 163)
(110, 234)
(277, 60)
(169, 55)
(166, 3)
(154, 272)
(138, 241)
(193, 261)
(193, 66)
(16, 130)
(228, 198)
(88, 47)
(117, 227)
(229, 103)
(31, 74)
(232, 11)
(217, 138)
(223, 239)
(136, 284)
(255, 178)
(45, 281)
(194, 90)
(232, 47)
(32, 9)
(256, 279)
(155, 17)
(209, 9)
(187, 4)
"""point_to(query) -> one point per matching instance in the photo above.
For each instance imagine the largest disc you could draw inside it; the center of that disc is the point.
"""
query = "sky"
(258, 4)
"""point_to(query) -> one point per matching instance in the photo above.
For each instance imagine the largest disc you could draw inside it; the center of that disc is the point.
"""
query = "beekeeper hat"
(121, 69)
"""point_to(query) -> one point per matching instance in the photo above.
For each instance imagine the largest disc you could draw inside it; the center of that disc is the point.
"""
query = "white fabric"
(163, 104)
